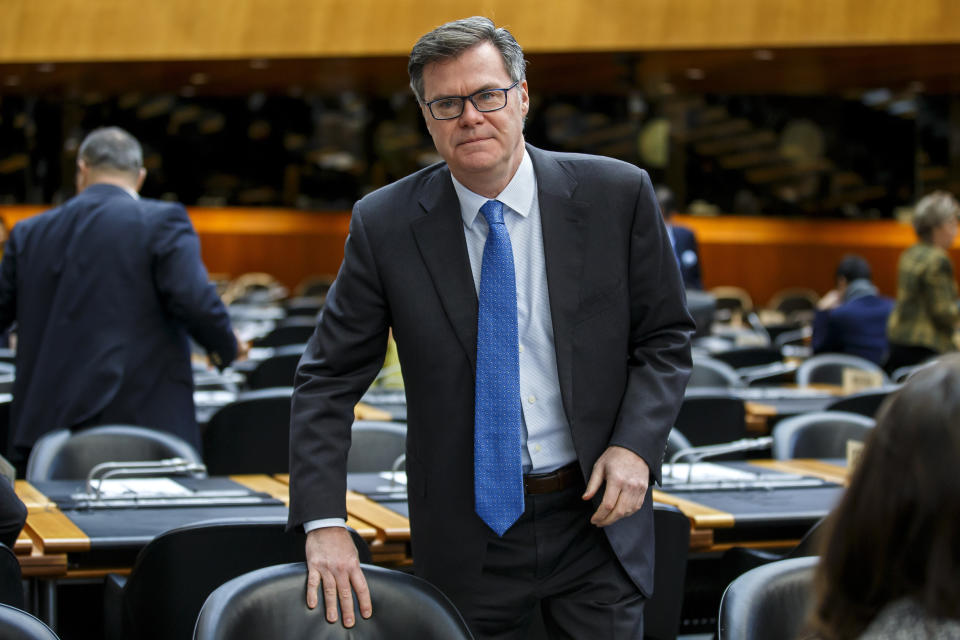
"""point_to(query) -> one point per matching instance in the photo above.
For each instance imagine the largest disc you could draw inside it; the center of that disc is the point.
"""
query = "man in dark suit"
(853, 317)
(682, 239)
(593, 358)
(105, 290)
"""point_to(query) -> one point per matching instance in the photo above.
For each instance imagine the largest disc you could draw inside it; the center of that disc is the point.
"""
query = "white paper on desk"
(398, 477)
(130, 487)
(704, 472)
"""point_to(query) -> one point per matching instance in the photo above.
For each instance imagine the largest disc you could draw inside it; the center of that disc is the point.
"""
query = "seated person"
(852, 318)
(13, 513)
(889, 560)
(683, 241)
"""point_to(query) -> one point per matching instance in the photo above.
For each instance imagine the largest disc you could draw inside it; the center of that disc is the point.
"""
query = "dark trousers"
(555, 560)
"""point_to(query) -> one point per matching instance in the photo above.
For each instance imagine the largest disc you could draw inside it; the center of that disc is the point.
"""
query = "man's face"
(481, 149)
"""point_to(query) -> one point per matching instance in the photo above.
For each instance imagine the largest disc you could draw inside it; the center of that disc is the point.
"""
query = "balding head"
(110, 155)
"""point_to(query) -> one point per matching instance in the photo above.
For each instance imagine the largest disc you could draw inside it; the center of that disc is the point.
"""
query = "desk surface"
(85, 542)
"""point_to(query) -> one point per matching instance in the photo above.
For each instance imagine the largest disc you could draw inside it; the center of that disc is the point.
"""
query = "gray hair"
(112, 149)
(932, 211)
(450, 40)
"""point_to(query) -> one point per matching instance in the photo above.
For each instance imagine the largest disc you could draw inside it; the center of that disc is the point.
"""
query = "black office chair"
(376, 446)
(676, 441)
(278, 370)
(295, 330)
(661, 615)
(250, 435)
(740, 357)
(827, 368)
(16, 624)
(770, 601)
(819, 434)
(736, 561)
(66, 455)
(710, 372)
(11, 579)
(711, 417)
(304, 306)
(865, 403)
(177, 570)
(269, 603)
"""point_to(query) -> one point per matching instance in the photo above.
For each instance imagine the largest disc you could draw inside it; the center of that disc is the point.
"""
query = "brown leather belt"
(555, 480)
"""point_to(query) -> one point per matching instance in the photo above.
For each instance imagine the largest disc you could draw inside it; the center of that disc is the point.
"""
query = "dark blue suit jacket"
(688, 256)
(105, 290)
(857, 327)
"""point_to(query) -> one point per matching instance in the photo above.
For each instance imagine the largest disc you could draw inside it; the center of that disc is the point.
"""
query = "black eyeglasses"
(485, 100)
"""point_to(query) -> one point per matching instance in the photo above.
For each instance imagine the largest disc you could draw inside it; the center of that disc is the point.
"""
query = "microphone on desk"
(696, 454)
(149, 468)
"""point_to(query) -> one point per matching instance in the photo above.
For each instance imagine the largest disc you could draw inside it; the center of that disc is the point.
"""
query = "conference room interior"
(786, 149)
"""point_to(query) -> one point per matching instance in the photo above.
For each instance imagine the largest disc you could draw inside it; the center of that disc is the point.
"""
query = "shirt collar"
(518, 194)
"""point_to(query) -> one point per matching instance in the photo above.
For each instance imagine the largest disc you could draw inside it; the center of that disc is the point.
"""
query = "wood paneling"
(65, 30)
(762, 255)
(765, 255)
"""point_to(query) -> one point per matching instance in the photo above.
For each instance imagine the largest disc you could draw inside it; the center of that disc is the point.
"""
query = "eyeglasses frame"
(463, 102)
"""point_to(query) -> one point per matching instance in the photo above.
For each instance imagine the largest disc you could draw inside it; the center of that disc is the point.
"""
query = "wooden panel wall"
(765, 255)
(78, 30)
(761, 255)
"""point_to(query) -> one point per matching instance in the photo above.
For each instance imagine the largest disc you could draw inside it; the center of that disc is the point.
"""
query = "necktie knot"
(492, 210)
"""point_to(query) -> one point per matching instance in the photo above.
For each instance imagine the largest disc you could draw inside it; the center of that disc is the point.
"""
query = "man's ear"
(141, 176)
(81, 179)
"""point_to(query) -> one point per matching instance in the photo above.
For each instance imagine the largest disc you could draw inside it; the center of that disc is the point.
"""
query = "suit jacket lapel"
(564, 225)
(439, 236)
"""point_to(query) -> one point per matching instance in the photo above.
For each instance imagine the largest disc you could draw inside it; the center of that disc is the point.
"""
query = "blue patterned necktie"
(497, 470)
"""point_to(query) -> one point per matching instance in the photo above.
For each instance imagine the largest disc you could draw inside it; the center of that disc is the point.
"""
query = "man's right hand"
(333, 563)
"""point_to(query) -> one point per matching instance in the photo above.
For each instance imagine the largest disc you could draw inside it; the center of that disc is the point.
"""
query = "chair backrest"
(748, 356)
(250, 434)
(733, 298)
(865, 403)
(710, 372)
(794, 299)
(818, 434)
(661, 615)
(376, 446)
(269, 603)
(711, 417)
(66, 455)
(770, 601)
(11, 578)
(177, 570)
(287, 334)
(676, 441)
(827, 368)
(306, 307)
(16, 624)
(278, 370)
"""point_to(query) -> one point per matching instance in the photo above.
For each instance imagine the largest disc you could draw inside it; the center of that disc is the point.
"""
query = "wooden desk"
(779, 517)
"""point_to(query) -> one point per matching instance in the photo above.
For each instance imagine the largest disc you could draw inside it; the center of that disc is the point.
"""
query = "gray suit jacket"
(622, 343)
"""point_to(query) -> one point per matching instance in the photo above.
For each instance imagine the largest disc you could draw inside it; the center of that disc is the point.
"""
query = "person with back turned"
(540, 322)
(105, 290)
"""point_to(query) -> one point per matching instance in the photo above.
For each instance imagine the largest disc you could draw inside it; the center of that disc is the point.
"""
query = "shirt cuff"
(310, 525)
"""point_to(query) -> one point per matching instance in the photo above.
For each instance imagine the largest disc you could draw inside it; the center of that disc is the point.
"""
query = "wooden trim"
(390, 525)
(701, 516)
(807, 467)
(64, 30)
